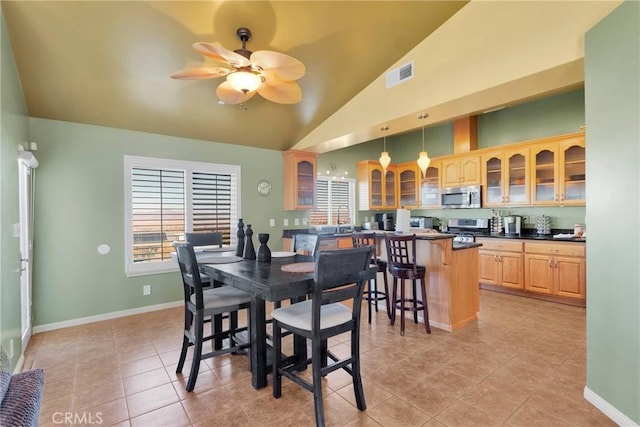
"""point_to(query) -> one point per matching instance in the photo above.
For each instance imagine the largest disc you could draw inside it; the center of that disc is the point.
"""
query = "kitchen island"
(453, 294)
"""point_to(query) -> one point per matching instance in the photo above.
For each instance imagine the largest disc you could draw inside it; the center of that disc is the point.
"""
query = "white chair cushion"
(299, 315)
(224, 296)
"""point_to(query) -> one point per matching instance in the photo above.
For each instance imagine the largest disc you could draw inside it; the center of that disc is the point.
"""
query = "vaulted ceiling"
(108, 63)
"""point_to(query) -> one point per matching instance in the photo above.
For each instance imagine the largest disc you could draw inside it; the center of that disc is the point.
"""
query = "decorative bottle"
(249, 250)
(264, 253)
(240, 234)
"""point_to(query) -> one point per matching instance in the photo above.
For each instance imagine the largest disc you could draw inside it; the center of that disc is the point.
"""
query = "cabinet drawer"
(500, 245)
(565, 249)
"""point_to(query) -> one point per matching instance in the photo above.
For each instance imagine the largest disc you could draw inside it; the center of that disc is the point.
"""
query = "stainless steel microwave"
(461, 197)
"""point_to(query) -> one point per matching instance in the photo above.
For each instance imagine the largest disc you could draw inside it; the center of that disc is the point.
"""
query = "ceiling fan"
(271, 74)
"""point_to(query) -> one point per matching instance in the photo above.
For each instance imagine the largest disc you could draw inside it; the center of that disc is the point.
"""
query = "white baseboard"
(607, 409)
(105, 316)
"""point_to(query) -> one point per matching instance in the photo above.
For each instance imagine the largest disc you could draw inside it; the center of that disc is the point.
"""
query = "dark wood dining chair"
(208, 238)
(372, 294)
(401, 259)
(339, 277)
(305, 244)
(200, 306)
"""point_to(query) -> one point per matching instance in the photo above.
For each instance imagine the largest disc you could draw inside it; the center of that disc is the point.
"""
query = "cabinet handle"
(555, 263)
(562, 197)
(495, 258)
(499, 258)
(550, 262)
(555, 198)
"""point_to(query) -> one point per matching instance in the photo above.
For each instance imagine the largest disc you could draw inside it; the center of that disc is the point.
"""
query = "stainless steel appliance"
(461, 197)
(466, 229)
(422, 222)
(385, 221)
(512, 225)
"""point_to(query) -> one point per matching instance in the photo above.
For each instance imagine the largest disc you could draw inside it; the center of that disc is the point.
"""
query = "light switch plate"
(272, 222)
(16, 230)
(296, 221)
(286, 222)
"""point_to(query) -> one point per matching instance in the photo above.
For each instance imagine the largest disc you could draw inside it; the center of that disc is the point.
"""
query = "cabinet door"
(573, 175)
(544, 180)
(306, 177)
(430, 187)
(570, 277)
(489, 267)
(376, 188)
(470, 170)
(516, 177)
(345, 242)
(390, 195)
(492, 174)
(538, 270)
(512, 269)
(450, 173)
(408, 185)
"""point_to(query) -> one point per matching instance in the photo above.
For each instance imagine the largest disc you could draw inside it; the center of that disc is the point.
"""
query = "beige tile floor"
(521, 364)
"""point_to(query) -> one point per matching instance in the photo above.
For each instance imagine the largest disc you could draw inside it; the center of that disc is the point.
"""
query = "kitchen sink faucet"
(341, 206)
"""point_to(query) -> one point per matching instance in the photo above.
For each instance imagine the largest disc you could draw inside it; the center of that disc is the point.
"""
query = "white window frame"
(352, 198)
(145, 268)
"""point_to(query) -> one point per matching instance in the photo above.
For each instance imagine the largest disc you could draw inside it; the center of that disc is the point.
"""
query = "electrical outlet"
(286, 222)
(11, 348)
(146, 290)
(272, 222)
(296, 221)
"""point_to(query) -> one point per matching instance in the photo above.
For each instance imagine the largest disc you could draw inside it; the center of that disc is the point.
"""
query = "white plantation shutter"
(167, 198)
(157, 212)
(331, 195)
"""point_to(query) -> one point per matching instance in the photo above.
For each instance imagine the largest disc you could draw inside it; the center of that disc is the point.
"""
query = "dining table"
(265, 281)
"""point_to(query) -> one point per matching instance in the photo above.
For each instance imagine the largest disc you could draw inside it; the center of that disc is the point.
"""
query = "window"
(335, 202)
(166, 198)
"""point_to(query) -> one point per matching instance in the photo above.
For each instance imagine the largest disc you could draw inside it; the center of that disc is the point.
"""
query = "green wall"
(556, 115)
(612, 67)
(14, 130)
(80, 205)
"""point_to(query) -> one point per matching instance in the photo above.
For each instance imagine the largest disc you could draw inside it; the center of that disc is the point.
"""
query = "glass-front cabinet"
(408, 184)
(558, 172)
(430, 186)
(299, 179)
(376, 189)
(506, 178)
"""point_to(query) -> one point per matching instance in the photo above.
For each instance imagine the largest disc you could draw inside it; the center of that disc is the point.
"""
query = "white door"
(26, 169)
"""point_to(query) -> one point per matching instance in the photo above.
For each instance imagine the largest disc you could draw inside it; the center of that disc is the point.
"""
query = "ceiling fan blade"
(229, 95)
(200, 73)
(282, 66)
(217, 52)
(281, 92)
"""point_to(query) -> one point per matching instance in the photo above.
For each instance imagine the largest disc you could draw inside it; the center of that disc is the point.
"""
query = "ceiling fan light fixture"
(244, 81)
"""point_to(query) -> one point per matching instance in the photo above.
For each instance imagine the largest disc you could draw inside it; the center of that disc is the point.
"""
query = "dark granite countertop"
(533, 236)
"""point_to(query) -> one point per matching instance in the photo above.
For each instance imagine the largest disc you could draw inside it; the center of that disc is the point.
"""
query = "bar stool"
(401, 256)
(372, 295)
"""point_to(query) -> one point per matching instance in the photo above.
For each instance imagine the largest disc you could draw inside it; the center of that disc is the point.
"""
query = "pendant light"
(384, 159)
(423, 157)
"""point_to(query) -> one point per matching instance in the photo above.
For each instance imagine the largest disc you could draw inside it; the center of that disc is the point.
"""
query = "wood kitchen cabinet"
(376, 188)
(299, 180)
(555, 268)
(558, 171)
(408, 184)
(501, 262)
(430, 186)
(460, 170)
(506, 177)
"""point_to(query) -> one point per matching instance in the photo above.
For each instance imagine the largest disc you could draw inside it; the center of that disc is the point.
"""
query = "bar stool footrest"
(418, 307)
(374, 295)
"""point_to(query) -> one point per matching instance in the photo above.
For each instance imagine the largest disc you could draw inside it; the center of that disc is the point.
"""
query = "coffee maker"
(385, 221)
(512, 225)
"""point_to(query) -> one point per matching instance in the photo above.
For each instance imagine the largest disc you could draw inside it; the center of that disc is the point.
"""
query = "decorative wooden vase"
(249, 250)
(264, 253)
(240, 234)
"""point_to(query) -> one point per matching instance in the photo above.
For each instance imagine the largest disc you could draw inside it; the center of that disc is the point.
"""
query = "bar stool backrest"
(401, 251)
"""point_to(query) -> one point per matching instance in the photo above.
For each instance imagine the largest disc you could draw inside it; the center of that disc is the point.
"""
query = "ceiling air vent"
(400, 74)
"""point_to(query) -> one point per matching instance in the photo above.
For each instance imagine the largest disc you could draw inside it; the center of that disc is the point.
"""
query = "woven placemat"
(299, 267)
